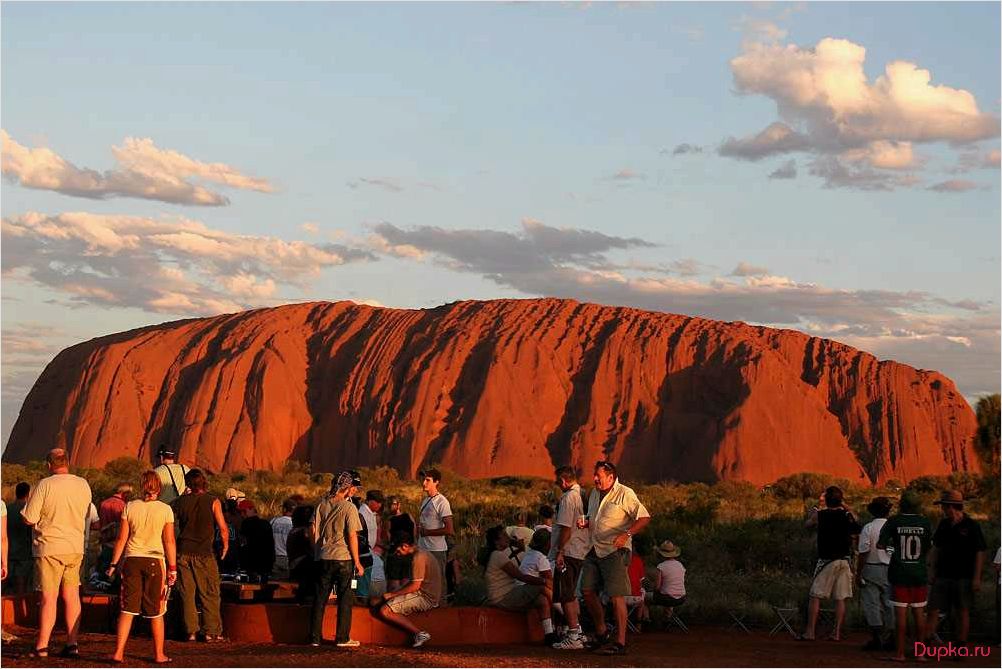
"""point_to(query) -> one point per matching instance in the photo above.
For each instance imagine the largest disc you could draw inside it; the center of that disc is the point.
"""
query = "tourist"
(637, 571)
(423, 591)
(836, 527)
(398, 568)
(958, 555)
(907, 538)
(145, 541)
(615, 514)
(171, 475)
(507, 587)
(58, 511)
(299, 547)
(335, 530)
(280, 528)
(434, 519)
(4, 635)
(871, 570)
(198, 516)
(229, 563)
(20, 566)
(257, 543)
(109, 517)
(369, 545)
(546, 514)
(669, 588)
(568, 547)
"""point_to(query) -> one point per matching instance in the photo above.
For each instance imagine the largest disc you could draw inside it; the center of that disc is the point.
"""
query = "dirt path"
(704, 647)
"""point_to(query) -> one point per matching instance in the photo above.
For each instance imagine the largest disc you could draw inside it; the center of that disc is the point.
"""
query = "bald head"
(58, 459)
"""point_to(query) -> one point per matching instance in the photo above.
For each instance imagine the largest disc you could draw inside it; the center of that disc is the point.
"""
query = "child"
(534, 562)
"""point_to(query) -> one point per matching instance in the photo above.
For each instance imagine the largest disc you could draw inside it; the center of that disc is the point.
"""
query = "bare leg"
(396, 620)
(920, 622)
(47, 605)
(901, 616)
(157, 627)
(839, 618)
(71, 604)
(122, 635)
(965, 625)
(812, 617)
(619, 610)
(595, 609)
(571, 612)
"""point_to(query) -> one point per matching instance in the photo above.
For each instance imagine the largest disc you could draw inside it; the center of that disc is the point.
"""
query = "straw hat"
(951, 497)
(519, 532)
(668, 550)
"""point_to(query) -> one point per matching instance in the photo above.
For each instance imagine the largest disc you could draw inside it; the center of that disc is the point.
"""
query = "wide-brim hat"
(668, 550)
(951, 497)
(519, 532)
(233, 493)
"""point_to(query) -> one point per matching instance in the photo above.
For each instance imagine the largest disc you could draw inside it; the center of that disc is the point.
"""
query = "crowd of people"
(582, 566)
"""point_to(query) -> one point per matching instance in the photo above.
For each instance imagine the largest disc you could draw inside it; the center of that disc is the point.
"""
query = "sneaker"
(575, 642)
(612, 648)
(420, 639)
(596, 642)
(350, 643)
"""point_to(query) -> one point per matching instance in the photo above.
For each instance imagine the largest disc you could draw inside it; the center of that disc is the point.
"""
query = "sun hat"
(951, 497)
(233, 493)
(668, 550)
(519, 532)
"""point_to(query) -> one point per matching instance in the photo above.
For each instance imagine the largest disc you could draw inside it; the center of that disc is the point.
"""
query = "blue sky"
(415, 154)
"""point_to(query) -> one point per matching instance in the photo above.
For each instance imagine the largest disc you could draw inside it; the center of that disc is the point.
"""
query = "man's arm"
(353, 549)
(123, 538)
(3, 540)
(412, 586)
(638, 526)
(444, 531)
(931, 563)
(979, 563)
(224, 531)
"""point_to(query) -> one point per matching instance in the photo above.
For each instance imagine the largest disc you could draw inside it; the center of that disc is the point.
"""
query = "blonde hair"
(150, 484)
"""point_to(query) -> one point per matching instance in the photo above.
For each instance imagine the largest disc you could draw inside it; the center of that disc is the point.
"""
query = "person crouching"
(422, 593)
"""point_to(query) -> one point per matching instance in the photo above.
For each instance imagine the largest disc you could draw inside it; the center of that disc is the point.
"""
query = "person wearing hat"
(335, 534)
(958, 554)
(171, 474)
(669, 590)
(871, 570)
(422, 593)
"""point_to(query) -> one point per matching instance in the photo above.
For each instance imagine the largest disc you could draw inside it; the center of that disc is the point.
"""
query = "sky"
(828, 167)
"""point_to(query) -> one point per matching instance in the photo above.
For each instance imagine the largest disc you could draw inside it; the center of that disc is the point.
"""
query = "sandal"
(71, 651)
(39, 653)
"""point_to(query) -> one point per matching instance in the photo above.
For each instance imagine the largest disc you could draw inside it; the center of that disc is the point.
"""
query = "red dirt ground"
(704, 647)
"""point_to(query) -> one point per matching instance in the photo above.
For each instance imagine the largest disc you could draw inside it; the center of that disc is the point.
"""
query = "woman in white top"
(670, 590)
(146, 538)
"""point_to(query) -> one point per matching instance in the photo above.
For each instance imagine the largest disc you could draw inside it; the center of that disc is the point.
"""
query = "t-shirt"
(371, 524)
(836, 527)
(196, 524)
(171, 481)
(59, 509)
(434, 511)
(426, 570)
(956, 547)
(280, 528)
(18, 532)
(636, 573)
(146, 527)
(110, 514)
(672, 578)
(569, 509)
(378, 569)
(534, 563)
(332, 522)
(868, 540)
(611, 515)
(499, 583)
(907, 537)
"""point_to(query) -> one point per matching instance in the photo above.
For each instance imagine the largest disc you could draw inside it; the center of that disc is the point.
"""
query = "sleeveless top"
(196, 524)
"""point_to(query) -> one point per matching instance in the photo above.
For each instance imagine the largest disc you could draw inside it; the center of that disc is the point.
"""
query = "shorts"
(833, 579)
(412, 602)
(909, 596)
(143, 592)
(398, 568)
(565, 585)
(609, 574)
(661, 599)
(55, 571)
(951, 593)
(520, 598)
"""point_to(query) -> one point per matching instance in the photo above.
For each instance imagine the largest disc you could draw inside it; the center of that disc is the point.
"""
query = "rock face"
(494, 388)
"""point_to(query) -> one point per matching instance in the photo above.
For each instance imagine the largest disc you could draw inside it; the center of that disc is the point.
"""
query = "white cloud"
(777, 138)
(954, 186)
(145, 172)
(176, 266)
(747, 269)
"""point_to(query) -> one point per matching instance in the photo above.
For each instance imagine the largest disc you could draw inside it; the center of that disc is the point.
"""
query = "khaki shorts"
(412, 602)
(520, 598)
(53, 571)
(833, 580)
(608, 574)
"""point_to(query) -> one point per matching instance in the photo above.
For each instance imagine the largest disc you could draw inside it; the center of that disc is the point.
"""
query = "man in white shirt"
(58, 510)
(171, 475)
(280, 528)
(434, 519)
(568, 547)
(368, 511)
(615, 514)
(871, 575)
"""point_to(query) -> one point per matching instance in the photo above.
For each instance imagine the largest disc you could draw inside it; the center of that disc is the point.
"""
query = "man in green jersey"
(907, 537)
